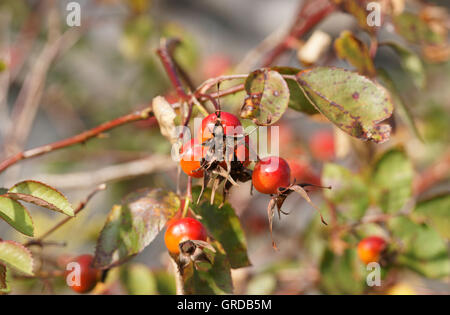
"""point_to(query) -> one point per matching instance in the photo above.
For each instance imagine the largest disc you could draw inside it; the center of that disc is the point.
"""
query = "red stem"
(79, 138)
(164, 54)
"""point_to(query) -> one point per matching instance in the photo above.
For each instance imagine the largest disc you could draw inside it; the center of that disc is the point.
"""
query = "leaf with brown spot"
(133, 225)
(351, 101)
(356, 53)
(267, 97)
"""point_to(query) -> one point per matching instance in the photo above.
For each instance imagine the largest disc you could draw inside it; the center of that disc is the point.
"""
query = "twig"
(80, 138)
(153, 163)
(310, 14)
(231, 90)
(433, 174)
(178, 278)
(81, 206)
(205, 86)
(164, 54)
(27, 102)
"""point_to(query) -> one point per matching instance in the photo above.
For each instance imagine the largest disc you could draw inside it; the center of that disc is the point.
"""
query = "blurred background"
(58, 81)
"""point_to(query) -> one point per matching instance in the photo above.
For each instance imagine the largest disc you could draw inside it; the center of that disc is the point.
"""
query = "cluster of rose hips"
(271, 175)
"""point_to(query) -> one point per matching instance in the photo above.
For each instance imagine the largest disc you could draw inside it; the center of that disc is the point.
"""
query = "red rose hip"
(191, 156)
(229, 122)
(182, 230)
(271, 173)
(87, 277)
(369, 249)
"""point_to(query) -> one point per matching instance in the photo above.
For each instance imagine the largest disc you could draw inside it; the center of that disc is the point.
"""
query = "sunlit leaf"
(391, 180)
(267, 97)
(16, 215)
(353, 50)
(349, 192)
(352, 102)
(130, 227)
(16, 256)
(224, 226)
(42, 195)
(435, 211)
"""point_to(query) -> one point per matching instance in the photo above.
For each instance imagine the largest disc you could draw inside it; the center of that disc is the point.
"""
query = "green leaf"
(165, 283)
(139, 280)
(342, 274)
(16, 256)
(416, 30)
(436, 212)
(422, 250)
(410, 62)
(4, 285)
(400, 106)
(352, 102)
(224, 225)
(16, 215)
(348, 192)
(215, 280)
(392, 180)
(297, 99)
(267, 97)
(353, 50)
(42, 195)
(130, 227)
